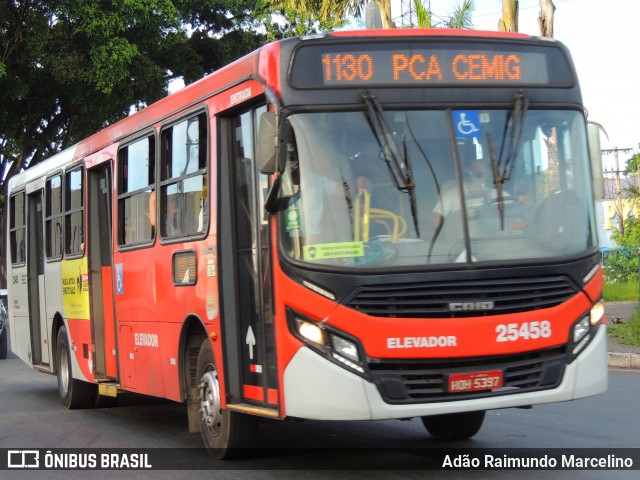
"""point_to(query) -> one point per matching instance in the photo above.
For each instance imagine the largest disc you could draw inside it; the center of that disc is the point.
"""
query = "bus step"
(43, 367)
(108, 389)
(253, 410)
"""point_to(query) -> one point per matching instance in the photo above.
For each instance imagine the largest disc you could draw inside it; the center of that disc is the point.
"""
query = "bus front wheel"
(454, 426)
(225, 433)
(73, 393)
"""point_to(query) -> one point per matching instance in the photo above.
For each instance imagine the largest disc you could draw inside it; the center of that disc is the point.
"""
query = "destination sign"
(429, 64)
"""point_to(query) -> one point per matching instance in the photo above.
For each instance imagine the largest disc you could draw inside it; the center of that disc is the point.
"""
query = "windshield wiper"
(435, 182)
(399, 166)
(347, 196)
(502, 166)
(411, 187)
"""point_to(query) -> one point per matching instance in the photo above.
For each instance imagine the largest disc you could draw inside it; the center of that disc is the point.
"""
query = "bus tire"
(454, 426)
(226, 434)
(73, 393)
(3, 344)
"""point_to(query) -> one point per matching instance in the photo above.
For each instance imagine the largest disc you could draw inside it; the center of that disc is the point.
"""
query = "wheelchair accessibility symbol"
(119, 279)
(467, 123)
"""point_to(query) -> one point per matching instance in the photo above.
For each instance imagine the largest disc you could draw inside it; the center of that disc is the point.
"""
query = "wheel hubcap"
(209, 398)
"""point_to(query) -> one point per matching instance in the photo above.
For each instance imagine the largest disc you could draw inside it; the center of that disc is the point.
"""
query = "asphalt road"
(32, 418)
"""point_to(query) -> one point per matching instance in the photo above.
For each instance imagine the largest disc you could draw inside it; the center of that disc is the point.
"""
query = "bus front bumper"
(320, 390)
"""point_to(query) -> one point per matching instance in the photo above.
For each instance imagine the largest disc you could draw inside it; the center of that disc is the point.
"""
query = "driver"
(478, 187)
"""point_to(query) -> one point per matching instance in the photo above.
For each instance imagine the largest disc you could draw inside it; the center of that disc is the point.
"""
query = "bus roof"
(156, 112)
(428, 32)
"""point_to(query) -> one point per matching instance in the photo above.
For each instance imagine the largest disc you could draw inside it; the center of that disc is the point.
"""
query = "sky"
(603, 37)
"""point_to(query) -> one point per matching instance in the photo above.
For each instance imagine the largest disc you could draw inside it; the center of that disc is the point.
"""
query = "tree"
(545, 20)
(337, 9)
(622, 264)
(460, 18)
(65, 69)
(340, 9)
(509, 20)
(423, 15)
(68, 68)
(631, 191)
(283, 22)
(632, 168)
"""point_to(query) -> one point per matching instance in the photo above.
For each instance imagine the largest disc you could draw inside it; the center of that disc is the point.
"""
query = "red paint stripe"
(254, 393)
(257, 393)
(272, 396)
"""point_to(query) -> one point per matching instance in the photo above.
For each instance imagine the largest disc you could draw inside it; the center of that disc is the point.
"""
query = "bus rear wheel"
(73, 393)
(454, 426)
(226, 434)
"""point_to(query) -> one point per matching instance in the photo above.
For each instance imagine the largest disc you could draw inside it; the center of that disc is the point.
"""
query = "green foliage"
(633, 166)
(627, 333)
(285, 22)
(622, 264)
(631, 236)
(325, 10)
(621, 291)
(340, 9)
(423, 15)
(461, 16)
(70, 67)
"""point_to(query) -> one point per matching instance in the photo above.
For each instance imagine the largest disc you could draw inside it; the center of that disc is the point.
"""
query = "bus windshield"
(423, 187)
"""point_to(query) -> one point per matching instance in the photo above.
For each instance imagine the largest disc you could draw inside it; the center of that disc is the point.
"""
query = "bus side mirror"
(595, 154)
(266, 151)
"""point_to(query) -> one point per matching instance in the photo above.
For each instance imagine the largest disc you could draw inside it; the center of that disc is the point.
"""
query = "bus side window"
(53, 219)
(74, 217)
(17, 229)
(136, 192)
(183, 186)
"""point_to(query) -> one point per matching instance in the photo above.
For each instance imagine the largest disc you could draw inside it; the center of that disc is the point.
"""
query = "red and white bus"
(358, 225)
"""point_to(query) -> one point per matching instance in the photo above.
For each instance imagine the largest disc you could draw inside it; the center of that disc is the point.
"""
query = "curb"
(624, 360)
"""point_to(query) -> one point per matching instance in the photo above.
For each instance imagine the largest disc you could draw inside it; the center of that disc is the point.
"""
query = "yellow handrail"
(364, 214)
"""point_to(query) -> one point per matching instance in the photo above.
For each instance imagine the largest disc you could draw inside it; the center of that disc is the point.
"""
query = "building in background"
(614, 206)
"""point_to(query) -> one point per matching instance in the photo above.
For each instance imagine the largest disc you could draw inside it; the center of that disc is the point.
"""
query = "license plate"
(475, 381)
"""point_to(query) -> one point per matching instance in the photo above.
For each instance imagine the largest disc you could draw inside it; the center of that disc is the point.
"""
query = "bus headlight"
(597, 313)
(345, 348)
(323, 339)
(310, 331)
(584, 329)
(580, 329)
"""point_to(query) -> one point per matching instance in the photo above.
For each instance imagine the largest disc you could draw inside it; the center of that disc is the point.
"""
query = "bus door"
(100, 271)
(246, 285)
(36, 283)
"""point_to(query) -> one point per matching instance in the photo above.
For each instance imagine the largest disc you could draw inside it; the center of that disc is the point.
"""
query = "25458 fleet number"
(512, 332)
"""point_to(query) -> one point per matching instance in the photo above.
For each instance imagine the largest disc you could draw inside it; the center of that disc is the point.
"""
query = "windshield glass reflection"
(411, 193)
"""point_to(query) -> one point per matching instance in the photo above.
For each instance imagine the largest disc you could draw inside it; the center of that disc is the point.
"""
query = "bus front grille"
(462, 298)
(419, 381)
